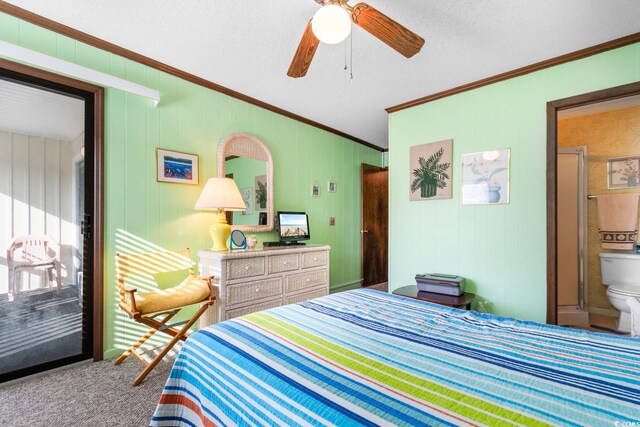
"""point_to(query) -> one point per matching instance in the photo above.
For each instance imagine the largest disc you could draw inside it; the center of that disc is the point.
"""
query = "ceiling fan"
(332, 24)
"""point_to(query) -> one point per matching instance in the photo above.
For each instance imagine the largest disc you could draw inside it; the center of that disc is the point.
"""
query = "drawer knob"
(315, 258)
(308, 280)
(246, 267)
(285, 263)
(257, 290)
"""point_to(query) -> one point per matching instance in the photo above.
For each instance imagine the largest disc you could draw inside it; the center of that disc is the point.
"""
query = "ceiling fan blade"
(304, 53)
(387, 30)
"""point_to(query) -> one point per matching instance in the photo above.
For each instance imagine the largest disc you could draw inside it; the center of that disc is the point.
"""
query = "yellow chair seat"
(155, 309)
(191, 291)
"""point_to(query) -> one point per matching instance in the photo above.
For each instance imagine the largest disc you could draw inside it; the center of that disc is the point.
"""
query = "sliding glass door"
(45, 242)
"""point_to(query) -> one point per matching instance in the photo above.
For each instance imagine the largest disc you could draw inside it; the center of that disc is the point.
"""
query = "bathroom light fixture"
(331, 24)
(80, 72)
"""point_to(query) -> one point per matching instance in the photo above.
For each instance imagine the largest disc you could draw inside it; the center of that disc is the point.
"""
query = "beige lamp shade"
(220, 193)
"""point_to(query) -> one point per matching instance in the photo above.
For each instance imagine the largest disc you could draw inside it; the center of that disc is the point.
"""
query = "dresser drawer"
(251, 291)
(304, 296)
(245, 267)
(297, 282)
(314, 259)
(280, 263)
(230, 314)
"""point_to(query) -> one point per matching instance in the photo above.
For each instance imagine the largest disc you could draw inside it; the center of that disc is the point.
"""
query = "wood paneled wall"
(501, 250)
(37, 196)
(143, 215)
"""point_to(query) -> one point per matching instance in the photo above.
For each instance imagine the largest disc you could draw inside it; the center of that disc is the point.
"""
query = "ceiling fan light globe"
(331, 24)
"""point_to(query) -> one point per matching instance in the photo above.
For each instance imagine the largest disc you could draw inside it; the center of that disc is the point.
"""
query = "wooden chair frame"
(151, 263)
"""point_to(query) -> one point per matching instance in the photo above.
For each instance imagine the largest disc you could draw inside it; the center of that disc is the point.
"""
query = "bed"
(365, 357)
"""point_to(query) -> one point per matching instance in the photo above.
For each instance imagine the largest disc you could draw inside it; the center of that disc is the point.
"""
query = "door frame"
(94, 142)
(552, 146)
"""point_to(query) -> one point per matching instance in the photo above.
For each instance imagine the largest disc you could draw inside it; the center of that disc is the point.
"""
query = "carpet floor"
(94, 394)
(384, 287)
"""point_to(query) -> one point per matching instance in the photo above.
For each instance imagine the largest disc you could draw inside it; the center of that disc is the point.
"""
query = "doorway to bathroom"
(586, 134)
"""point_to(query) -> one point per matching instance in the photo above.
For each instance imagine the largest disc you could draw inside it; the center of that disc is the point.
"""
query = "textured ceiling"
(36, 112)
(600, 107)
(248, 45)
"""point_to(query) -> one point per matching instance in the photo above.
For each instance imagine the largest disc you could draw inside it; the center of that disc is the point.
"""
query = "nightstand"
(463, 301)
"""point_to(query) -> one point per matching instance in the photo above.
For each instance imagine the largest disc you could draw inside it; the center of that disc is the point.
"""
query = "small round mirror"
(238, 240)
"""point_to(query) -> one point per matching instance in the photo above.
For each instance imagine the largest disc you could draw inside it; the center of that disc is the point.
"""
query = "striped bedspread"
(369, 358)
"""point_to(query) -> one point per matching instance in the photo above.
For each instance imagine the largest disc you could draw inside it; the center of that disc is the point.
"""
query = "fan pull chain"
(351, 51)
(345, 56)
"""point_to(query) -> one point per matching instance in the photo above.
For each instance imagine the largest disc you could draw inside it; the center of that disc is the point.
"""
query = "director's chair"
(145, 307)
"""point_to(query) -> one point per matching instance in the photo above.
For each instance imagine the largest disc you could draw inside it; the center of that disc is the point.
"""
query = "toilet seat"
(623, 293)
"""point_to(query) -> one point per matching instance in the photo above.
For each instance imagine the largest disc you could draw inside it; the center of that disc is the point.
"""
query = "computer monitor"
(292, 227)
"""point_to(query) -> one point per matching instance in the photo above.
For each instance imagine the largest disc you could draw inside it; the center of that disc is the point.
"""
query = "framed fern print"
(430, 170)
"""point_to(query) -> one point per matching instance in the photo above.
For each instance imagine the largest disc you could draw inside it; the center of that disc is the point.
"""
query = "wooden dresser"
(257, 279)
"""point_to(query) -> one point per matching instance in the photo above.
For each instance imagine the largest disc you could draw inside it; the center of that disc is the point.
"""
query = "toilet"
(621, 273)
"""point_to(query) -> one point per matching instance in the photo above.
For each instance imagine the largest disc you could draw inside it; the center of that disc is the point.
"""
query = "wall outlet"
(332, 221)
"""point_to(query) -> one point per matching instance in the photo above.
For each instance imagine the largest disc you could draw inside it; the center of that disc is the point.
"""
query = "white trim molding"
(31, 57)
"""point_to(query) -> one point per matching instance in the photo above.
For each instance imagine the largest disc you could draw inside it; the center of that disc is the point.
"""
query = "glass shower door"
(571, 236)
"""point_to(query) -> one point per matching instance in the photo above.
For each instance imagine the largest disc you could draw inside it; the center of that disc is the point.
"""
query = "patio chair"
(145, 307)
(33, 253)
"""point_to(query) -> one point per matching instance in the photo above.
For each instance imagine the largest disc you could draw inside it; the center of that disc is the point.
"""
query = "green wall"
(143, 215)
(500, 249)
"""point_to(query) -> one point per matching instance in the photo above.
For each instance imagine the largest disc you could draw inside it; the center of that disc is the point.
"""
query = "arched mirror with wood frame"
(248, 161)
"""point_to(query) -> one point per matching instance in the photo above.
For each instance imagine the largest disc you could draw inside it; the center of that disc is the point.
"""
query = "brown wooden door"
(374, 224)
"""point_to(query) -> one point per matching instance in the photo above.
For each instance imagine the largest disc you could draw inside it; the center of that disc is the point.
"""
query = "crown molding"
(579, 54)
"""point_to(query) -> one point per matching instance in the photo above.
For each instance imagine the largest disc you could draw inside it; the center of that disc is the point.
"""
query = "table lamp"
(220, 194)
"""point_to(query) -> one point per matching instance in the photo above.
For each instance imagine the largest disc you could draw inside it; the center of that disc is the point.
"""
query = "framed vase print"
(247, 197)
(485, 177)
(623, 172)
